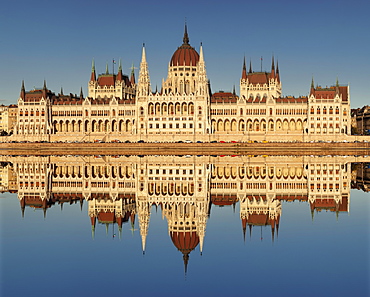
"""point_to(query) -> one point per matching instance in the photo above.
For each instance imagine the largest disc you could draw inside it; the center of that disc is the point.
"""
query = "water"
(272, 235)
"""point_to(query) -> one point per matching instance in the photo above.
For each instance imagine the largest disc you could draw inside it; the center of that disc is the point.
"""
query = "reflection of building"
(119, 188)
(111, 211)
(361, 120)
(361, 176)
(118, 108)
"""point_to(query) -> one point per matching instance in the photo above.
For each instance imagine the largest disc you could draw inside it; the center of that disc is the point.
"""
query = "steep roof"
(225, 97)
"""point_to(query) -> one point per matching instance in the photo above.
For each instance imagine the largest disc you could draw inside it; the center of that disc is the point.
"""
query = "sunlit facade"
(120, 109)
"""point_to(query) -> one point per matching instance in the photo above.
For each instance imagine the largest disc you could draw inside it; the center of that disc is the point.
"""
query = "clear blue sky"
(57, 40)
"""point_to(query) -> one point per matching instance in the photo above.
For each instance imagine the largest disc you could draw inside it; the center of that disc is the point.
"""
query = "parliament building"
(120, 109)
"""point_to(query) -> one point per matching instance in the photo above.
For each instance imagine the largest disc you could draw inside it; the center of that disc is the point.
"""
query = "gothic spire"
(44, 89)
(144, 80)
(93, 75)
(61, 91)
(244, 71)
(106, 69)
(119, 73)
(250, 66)
(201, 57)
(23, 91)
(143, 54)
(186, 37)
(119, 66)
(273, 68)
(132, 78)
(81, 94)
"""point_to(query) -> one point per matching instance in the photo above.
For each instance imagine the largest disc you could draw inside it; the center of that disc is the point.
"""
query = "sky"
(56, 41)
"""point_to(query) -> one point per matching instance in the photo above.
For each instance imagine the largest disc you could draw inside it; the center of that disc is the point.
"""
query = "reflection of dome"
(185, 241)
(185, 55)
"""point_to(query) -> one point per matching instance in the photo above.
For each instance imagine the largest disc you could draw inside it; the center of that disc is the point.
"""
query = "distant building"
(4, 118)
(118, 108)
(361, 120)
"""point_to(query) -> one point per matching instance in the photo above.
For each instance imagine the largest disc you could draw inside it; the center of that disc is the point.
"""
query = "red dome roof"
(185, 55)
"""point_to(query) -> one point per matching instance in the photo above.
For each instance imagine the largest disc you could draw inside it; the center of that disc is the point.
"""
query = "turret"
(312, 90)
(120, 74)
(81, 94)
(93, 74)
(132, 78)
(23, 91)
(273, 68)
(244, 71)
(44, 90)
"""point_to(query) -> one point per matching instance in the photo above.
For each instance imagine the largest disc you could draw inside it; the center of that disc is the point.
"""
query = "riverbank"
(281, 148)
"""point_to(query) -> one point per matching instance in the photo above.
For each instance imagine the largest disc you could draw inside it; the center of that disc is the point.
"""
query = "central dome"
(185, 55)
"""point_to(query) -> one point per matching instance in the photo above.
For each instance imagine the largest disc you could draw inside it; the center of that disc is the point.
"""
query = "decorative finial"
(119, 66)
(186, 37)
(93, 65)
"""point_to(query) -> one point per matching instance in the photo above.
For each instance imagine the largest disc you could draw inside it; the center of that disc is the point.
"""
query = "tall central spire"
(186, 37)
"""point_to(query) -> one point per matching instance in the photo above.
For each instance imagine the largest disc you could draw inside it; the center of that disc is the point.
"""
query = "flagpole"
(261, 63)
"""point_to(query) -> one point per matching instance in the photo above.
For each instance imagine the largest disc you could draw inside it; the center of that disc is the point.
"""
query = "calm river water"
(185, 226)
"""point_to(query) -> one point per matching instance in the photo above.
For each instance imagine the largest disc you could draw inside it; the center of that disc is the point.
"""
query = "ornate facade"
(184, 109)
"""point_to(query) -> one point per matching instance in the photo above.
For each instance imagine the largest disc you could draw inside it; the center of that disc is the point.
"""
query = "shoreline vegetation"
(134, 148)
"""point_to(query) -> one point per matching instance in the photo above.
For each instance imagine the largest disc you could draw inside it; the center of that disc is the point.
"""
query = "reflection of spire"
(93, 222)
(93, 232)
(119, 232)
(144, 216)
(201, 241)
(186, 261)
(106, 229)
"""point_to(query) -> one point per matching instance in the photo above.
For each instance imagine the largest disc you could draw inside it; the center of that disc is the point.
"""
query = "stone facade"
(118, 109)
